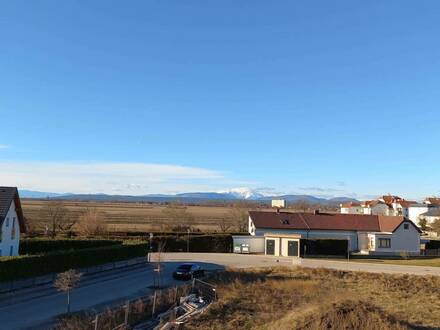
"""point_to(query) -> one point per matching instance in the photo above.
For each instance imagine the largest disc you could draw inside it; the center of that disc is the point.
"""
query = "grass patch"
(431, 262)
(303, 298)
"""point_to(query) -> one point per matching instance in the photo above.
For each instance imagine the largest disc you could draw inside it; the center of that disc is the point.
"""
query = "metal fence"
(146, 309)
(430, 252)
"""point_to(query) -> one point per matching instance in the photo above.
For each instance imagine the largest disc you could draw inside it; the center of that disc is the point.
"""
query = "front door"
(270, 246)
(292, 248)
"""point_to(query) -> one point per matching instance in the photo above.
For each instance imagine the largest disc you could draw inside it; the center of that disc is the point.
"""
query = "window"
(406, 226)
(11, 250)
(385, 242)
(7, 222)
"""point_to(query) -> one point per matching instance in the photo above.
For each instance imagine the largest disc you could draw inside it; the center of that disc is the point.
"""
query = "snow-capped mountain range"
(244, 193)
(231, 194)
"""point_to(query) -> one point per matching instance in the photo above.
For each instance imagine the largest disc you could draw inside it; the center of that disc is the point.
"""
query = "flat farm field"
(133, 217)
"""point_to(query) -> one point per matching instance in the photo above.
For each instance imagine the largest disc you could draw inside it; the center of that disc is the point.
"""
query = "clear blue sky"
(319, 97)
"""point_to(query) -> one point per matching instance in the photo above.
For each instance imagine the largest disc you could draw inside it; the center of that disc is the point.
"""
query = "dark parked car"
(187, 271)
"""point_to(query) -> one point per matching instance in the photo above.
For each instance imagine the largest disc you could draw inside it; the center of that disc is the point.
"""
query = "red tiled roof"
(406, 203)
(391, 223)
(350, 204)
(388, 199)
(325, 221)
(433, 200)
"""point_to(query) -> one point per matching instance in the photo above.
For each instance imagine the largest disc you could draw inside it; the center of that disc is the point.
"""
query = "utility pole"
(150, 248)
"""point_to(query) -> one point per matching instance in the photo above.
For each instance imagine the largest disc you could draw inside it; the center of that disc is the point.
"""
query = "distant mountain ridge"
(192, 197)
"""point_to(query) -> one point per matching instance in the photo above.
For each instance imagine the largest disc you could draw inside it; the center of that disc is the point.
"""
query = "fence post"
(154, 304)
(96, 321)
(127, 311)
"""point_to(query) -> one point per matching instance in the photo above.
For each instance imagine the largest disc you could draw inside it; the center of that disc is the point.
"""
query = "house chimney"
(278, 210)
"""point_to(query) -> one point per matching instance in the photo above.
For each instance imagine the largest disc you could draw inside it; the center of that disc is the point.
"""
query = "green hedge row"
(43, 246)
(200, 243)
(13, 268)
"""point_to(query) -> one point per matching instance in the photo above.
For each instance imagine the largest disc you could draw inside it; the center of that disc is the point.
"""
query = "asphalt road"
(38, 307)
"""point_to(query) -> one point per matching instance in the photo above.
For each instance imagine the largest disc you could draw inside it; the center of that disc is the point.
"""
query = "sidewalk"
(40, 281)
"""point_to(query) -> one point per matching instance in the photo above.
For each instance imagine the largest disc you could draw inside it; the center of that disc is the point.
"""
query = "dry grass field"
(130, 216)
(302, 298)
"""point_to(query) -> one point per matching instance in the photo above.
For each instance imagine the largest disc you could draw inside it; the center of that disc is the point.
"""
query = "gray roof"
(419, 205)
(433, 212)
(7, 195)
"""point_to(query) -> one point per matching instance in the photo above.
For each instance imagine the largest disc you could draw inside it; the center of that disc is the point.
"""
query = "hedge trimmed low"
(43, 246)
(199, 243)
(13, 268)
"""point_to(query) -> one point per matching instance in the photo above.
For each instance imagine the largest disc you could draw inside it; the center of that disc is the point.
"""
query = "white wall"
(380, 209)
(401, 240)
(11, 221)
(256, 243)
(352, 210)
(362, 241)
(415, 211)
(345, 210)
(251, 227)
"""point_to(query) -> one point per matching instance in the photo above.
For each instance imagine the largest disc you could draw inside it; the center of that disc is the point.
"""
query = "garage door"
(270, 246)
(292, 248)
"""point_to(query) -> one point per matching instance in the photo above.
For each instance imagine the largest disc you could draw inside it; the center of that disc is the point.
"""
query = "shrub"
(12, 268)
(91, 222)
(42, 246)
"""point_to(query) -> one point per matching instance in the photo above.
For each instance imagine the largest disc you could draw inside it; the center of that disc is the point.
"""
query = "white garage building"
(299, 234)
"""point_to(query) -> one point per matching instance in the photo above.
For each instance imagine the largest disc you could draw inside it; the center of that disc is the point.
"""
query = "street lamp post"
(187, 242)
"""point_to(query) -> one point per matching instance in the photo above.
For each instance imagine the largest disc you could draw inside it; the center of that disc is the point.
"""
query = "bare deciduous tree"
(159, 259)
(66, 282)
(435, 226)
(240, 218)
(423, 223)
(59, 217)
(224, 225)
(178, 214)
(302, 206)
(91, 223)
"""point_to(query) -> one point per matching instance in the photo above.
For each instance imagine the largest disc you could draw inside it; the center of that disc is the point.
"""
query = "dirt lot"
(122, 216)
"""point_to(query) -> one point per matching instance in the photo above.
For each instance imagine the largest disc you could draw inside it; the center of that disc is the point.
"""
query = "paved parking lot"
(244, 261)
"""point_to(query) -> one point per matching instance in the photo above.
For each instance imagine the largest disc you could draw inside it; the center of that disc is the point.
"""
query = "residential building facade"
(11, 221)
(288, 234)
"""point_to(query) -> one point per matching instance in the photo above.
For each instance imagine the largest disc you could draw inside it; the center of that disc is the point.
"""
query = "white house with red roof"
(384, 205)
(299, 234)
(11, 221)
